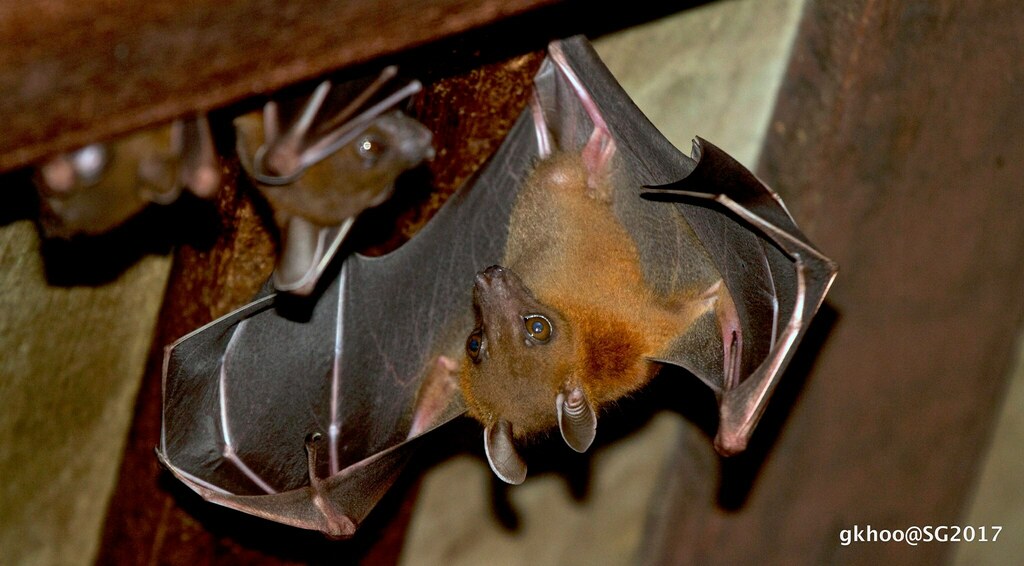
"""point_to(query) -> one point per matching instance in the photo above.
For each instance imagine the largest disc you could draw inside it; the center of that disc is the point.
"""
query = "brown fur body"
(577, 266)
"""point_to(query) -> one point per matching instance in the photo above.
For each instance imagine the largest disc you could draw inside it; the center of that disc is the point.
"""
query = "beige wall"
(71, 360)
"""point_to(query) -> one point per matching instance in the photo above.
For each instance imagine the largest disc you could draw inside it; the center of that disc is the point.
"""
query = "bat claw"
(337, 524)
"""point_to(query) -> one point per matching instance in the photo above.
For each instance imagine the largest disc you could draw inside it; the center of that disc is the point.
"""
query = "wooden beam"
(76, 72)
(895, 142)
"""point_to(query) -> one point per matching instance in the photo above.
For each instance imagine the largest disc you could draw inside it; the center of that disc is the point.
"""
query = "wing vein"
(774, 295)
(334, 430)
(228, 451)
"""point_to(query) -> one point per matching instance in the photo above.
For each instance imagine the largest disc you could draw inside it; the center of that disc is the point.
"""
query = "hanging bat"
(569, 323)
(309, 422)
(320, 166)
(95, 188)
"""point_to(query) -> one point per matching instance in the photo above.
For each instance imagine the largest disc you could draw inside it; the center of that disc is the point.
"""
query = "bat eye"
(475, 345)
(370, 150)
(538, 327)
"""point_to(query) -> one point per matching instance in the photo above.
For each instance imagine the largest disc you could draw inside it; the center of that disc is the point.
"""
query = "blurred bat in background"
(95, 188)
(321, 164)
(554, 282)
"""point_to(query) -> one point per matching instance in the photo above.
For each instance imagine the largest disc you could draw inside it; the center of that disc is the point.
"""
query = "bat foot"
(337, 525)
(600, 147)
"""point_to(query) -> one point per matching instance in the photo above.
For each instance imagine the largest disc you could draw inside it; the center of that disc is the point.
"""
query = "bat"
(558, 335)
(308, 422)
(95, 188)
(320, 166)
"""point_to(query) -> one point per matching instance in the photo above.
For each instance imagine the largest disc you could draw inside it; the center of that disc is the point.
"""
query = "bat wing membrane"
(242, 393)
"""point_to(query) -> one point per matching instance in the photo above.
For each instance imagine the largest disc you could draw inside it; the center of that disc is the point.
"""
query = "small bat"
(309, 422)
(320, 168)
(95, 188)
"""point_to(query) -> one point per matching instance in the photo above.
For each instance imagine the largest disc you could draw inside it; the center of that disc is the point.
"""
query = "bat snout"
(498, 289)
(412, 140)
(494, 277)
(492, 272)
(489, 285)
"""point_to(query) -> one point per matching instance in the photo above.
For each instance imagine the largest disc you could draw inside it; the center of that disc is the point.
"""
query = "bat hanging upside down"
(618, 255)
(568, 324)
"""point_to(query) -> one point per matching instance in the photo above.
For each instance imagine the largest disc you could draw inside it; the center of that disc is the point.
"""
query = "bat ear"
(302, 247)
(576, 419)
(501, 453)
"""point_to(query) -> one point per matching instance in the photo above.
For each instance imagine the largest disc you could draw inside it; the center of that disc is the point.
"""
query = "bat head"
(521, 373)
(391, 144)
(369, 160)
(373, 158)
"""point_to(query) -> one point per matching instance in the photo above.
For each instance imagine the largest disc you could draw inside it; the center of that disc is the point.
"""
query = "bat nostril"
(490, 274)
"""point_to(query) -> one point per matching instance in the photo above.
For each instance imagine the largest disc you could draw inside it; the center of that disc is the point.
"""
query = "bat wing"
(243, 393)
(723, 224)
(778, 280)
(368, 370)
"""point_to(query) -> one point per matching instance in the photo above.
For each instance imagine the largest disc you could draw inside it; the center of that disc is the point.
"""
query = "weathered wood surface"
(998, 499)
(76, 72)
(895, 142)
